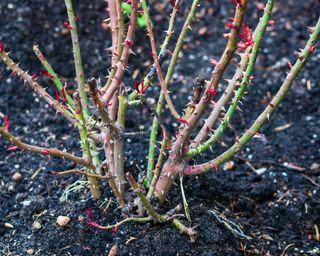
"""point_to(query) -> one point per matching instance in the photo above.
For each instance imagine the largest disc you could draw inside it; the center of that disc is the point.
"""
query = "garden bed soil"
(272, 192)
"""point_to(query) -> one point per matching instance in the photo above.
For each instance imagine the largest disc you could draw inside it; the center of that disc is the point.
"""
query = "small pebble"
(17, 176)
(11, 188)
(10, 6)
(63, 221)
(30, 251)
(228, 166)
(26, 203)
(315, 167)
(36, 225)
(202, 31)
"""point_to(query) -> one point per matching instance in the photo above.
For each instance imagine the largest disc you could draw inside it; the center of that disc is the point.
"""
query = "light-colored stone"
(30, 251)
(17, 176)
(36, 225)
(63, 221)
(202, 31)
(228, 166)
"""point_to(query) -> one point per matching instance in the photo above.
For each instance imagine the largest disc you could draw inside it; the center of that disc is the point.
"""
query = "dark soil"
(279, 209)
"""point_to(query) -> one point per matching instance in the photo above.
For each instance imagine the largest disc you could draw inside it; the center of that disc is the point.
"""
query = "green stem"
(239, 94)
(55, 78)
(119, 146)
(131, 219)
(156, 62)
(36, 87)
(70, 103)
(157, 170)
(150, 76)
(173, 62)
(175, 162)
(184, 200)
(136, 188)
(80, 77)
(265, 115)
(85, 145)
(184, 230)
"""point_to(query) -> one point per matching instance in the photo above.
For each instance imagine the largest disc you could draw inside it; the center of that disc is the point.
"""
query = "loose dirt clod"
(63, 221)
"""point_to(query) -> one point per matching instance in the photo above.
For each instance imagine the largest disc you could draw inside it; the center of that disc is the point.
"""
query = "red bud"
(13, 148)
(34, 76)
(128, 43)
(271, 22)
(57, 96)
(6, 122)
(67, 25)
(89, 213)
(212, 91)
(114, 230)
(312, 49)
(45, 152)
(1, 46)
(230, 25)
(47, 74)
(182, 120)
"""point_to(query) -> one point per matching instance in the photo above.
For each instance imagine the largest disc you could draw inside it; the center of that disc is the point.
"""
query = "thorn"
(132, 52)
(311, 29)
(239, 109)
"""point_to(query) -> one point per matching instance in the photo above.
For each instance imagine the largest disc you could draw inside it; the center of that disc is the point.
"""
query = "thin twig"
(156, 61)
(157, 170)
(184, 200)
(76, 171)
(36, 87)
(233, 227)
(44, 151)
